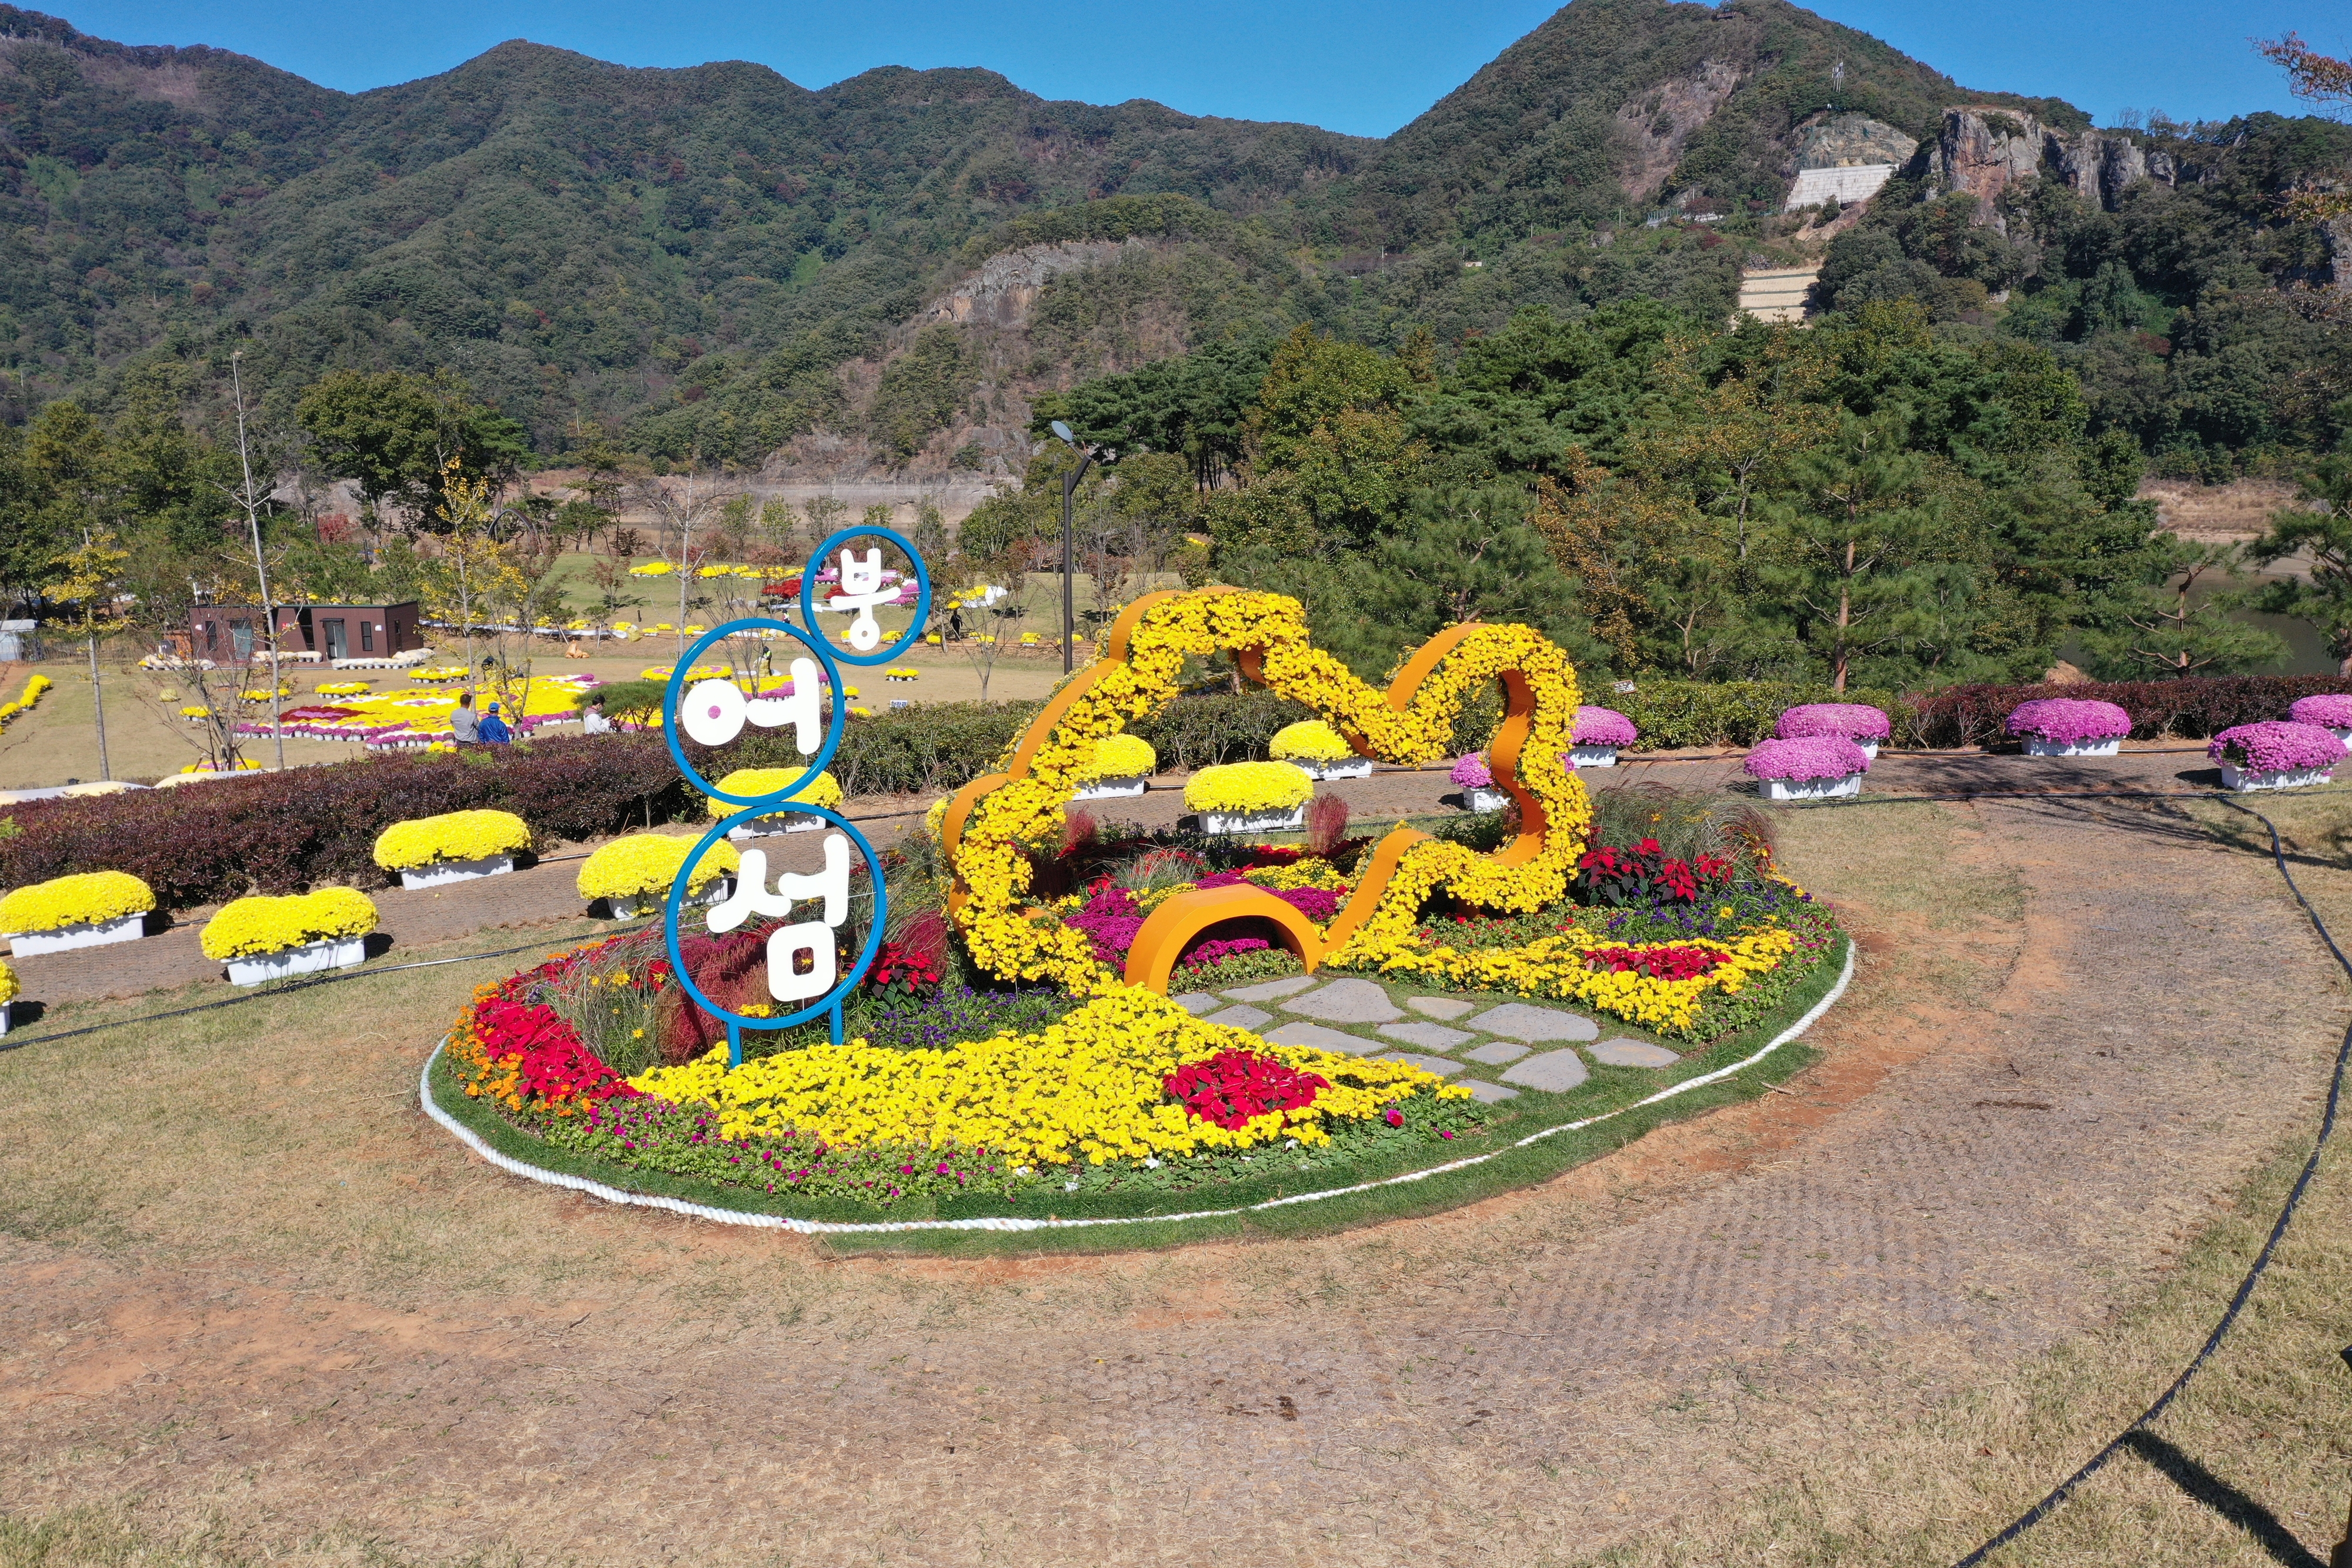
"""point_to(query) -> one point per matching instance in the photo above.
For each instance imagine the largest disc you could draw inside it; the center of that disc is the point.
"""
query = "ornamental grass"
(644, 863)
(87, 898)
(451, 836)
(1249, 786)
(2069, 721)
(247, 927)
(2276, 746)
(1309, 740)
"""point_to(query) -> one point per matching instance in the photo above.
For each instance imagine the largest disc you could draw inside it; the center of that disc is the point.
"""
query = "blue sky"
(1359, 65)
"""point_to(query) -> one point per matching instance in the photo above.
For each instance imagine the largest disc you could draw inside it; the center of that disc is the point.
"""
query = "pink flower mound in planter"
(2069, 725)
(1470, 772)
(1857, 722)
(1603, 726)
(1806, 757)
(2275, 745)
(2329, 711)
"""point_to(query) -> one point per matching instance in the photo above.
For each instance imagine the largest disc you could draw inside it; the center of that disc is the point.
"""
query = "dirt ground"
(287, 1318)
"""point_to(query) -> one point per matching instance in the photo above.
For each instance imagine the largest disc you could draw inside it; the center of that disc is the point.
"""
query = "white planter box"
(2233, 778)
(2037, 746)
(1484, 799)
(1346, 768)
(1252, 821)
(1593, 756)
(782, 822)
(1113, 788)
(442, 872)
(651, 902)
(1869, 749)
(91, 933)
(335, 953)
(6, 1009)
(2343, 735)
(1812, 789)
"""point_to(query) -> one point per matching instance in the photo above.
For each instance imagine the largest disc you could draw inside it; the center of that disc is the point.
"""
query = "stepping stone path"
(1534, 1047)
(1623, 1053)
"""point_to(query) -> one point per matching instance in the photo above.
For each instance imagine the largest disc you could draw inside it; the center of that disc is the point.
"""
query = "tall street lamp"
(1069, 579)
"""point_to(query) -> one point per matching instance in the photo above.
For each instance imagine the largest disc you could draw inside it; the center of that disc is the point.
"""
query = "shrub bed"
(1673, 714)
(2187, 709)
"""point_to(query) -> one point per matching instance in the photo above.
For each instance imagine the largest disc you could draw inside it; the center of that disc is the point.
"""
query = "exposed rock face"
(1656, 125)
(1853, 140)
(2336, 234)
(1984, 151)
(1005, 290)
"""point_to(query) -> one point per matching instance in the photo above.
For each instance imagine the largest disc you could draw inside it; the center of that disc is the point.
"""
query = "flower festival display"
(978, 1027)
(1122, 768)
(1601, 734)
(2275, 754)
(88, 909)
(457, 846)
(1810, 767)
(2330, 711)
(633, 874)
(264, 938)
(2069, 726)
(23, 701)
(1249, 797)
(1318, 749)
(823, 789)
(1865, 726)
(1471, 775)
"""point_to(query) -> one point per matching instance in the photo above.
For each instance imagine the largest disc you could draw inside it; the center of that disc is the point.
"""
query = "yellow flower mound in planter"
(83, 899)
(454, 836)
(34, 687)
(342, 688)
(1123, 757)
(1246, 786)
(248, 927)
(1310, 740)
(647, 862)
(10, 988)
(824, 790)
(1091, 1087)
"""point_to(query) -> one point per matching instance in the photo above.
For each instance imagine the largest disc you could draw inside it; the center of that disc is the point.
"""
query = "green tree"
(2164, 634)
(401, 438)
(2322, 526)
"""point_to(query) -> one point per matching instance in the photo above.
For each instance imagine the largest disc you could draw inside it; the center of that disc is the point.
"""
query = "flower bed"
(1864, 725)
(634, 874)
(23, 701)
(87, 910)
(2068, 726)
(264, 938)
(453, 847)
(747, 783)
(1122, 768)
(1249, 797)
(1601, 734)
(2330, 711)
(2275, 754)
(1318, 750)
(1817, 766)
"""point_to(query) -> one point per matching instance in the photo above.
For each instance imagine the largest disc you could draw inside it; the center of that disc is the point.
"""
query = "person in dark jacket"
(494, 729)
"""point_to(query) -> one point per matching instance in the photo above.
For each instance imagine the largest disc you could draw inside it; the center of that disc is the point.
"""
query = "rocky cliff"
(1984, 151)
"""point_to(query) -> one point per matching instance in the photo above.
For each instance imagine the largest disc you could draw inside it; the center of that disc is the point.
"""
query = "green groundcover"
(1161, 1216)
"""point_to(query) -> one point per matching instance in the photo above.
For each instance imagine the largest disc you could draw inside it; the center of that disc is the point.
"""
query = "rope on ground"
(2058, 1495)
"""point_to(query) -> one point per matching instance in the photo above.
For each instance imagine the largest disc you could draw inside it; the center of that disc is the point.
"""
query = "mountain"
(725, 265)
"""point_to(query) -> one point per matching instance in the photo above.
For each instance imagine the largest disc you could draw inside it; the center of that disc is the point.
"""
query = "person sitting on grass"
(465, 724)
(494, 730)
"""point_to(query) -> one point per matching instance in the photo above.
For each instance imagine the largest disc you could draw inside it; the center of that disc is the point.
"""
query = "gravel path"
(2037, 1085)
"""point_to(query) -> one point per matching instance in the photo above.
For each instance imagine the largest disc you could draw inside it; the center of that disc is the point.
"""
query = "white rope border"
(1014, 1222)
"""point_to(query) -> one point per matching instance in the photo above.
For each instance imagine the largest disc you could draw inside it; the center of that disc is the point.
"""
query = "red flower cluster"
(1668, 963)
(1232, 1086)
(1644, 876)
(551, 1064)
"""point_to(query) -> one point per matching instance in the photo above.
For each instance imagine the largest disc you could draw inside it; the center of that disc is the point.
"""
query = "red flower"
(1232, 1086)
(1392, 1116)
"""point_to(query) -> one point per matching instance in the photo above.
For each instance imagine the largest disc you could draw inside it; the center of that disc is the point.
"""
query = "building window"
(367, 636)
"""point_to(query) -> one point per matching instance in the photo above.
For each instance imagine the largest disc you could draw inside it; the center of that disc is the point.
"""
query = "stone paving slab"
(1537, 1026)
(1428, 1036)
(1623, 1053)
(1487, 1094)
(1198, 1002)
(1439, 1007)
(1553, 1072)
(1436, 1064)
(1496, 1053)
(1269, 990)
(1346, 1001)
(1321, 1039)
(1239, 1016)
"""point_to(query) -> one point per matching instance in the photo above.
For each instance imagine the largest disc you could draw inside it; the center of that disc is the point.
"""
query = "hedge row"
(281, 832)
(2186, 709)
(1673, 714)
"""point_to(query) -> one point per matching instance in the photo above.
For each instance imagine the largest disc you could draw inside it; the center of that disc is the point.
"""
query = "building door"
(240, 636)
(338, 646)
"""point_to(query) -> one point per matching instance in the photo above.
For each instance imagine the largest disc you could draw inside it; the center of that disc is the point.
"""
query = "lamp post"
(1069, 579)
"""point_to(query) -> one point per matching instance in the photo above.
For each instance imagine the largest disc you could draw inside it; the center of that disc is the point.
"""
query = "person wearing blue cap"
(494, 730)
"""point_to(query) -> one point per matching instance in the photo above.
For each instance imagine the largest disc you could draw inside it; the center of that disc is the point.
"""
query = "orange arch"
(1171, 928)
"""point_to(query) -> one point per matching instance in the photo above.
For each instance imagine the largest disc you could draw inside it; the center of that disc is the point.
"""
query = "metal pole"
(260, 560)
(1069, 490)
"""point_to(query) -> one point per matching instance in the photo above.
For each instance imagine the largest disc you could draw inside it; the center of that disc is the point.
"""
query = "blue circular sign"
(923, 593)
